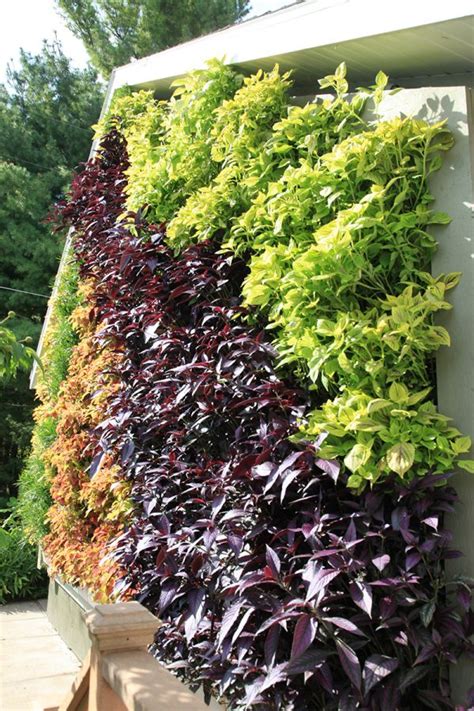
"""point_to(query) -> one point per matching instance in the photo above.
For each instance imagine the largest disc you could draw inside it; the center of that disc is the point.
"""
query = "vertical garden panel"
(451, 188)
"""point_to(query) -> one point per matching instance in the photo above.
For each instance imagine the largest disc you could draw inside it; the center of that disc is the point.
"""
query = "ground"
(37, 668)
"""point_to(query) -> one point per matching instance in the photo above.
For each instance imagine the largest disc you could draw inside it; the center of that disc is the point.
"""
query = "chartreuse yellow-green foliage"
(170, 143)
(332, 213)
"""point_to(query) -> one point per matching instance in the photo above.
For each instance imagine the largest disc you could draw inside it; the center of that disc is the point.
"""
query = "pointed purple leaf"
(167, 595)
(274, 676)
(273, 561)
(289, 461)
(303, 636)
(320, 581)
(271, 644)
(330, 466)
(287, 481)
(242, 624)
(230, 616)
(362, 596)
(376, 668)
(381, 561)
(350, 663)
(344, 624)
(95, 464)
(412, 559)
(307, 661)
(432, 521)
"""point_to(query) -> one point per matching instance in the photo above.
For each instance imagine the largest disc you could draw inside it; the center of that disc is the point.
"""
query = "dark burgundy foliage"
(277, 587)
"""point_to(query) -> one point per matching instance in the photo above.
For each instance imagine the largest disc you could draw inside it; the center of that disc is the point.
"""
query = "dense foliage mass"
(114, 33)
(193, 465)
(87, 513)
(35, 479)
(20, 577)
(25, 522)
(46, 109)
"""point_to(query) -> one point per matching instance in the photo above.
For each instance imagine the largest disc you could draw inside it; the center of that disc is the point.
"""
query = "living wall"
(35, 480)
(247, 439)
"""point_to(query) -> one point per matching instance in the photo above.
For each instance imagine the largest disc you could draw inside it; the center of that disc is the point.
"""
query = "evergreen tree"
(46, 111)
(116, 31)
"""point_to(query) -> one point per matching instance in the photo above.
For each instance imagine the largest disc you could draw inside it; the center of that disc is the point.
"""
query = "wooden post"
(121, 627)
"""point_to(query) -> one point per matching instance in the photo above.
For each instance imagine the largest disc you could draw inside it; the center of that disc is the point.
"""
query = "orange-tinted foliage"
(87, 513)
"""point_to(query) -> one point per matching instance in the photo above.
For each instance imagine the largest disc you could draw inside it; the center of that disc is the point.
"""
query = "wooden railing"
(119, 675)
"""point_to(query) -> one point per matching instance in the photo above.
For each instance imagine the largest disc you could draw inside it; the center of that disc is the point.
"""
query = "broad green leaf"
(461, 445)
(357, 457)
(398, 393)
(325, 327)
(381, 80)
(417, 397)
(341, 71)
(354, 481)
(400, 457)
(440, 218)
(377, 404)
(329, 452)
(467, 464)
(344, 361)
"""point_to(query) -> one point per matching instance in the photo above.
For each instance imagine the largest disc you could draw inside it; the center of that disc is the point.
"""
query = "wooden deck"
(36, 667)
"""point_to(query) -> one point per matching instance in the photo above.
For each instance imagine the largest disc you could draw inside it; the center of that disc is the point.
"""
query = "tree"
(46, 111)
(117, 31)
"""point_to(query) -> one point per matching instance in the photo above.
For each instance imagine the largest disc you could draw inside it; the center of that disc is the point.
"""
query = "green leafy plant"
(61, 335)
(341, 253)
(14, 354)
(35, 479)
(402, 432)
(20, 579)
(34, 497)
(169, 144)
(393, 340)
(242, 125)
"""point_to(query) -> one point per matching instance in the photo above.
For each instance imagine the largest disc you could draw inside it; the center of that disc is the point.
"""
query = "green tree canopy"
(116, 31)
(46, 110)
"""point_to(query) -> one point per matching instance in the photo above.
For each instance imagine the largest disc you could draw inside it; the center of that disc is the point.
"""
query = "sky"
(25, 23)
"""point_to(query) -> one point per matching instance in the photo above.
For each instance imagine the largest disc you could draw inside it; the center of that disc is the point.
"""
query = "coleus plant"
(90, 498)
(86, 513)
(278, 588)
(34, 482)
